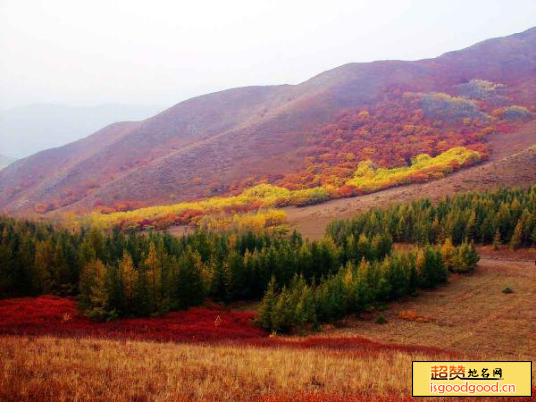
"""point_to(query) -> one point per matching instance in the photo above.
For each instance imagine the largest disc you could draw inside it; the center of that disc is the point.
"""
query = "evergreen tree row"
(128, 274)
(506, 216)
(356, 287)
(118, 274)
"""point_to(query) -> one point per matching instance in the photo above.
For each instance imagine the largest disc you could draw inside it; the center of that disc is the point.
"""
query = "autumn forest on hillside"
(308, 235)
(300, 283)
(407, 137)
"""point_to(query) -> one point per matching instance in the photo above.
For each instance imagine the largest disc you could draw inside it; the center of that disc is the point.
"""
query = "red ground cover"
(56, 316)
(51, 315)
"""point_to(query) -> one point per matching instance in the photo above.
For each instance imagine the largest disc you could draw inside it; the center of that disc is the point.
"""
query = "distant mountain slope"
(30, 129)
(513, 165)
(5, 160)
(208, 144)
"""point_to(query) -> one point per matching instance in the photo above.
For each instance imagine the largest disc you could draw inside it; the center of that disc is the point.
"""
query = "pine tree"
(466, 258)
(153, 266)
(364, 248)
(41, 278)
(410, 264)
(470, 227)
(435, 229)
(86, 252)
(267, 306)
(469, 256)
(517, 236)
(143, 305)
(385, 290)
(486, 231)
(399, 278)
(448, 253)
(515, 209)
(421, 267)
(364, 292)
(128, 275)
(504, 222)
(297, 290)
(217, 282)
(282, 312)
(190, 289)
(235, 277)
(430, 268)
(61, 269)
(441, 270)
(115, 300)
(305, 310)
(94, 290)
(349, 279)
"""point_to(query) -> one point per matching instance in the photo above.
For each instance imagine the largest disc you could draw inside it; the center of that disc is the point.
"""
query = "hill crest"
(226, 141)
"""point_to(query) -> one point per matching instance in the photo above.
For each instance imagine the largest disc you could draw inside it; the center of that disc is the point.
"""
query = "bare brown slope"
(200, 146)
(513, 164)
(23, 182)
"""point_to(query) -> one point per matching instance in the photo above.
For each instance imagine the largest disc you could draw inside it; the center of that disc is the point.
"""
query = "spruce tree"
(153, 266)
(385, 290)
(364, 292)
(448, 253)
(94, 289)
(309, 315)
(190, 289)
(41, 278)
(267, 306)
(128, 276)
(282, 312)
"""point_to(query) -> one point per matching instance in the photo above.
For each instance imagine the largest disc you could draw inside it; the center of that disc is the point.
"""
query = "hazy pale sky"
(161, 52)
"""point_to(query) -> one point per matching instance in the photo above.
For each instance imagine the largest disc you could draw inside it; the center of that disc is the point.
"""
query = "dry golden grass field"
(83, 369)
(470, 318)
(470, 315)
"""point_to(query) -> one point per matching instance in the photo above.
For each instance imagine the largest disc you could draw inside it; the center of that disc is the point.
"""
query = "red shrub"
(55, 316)
(345, 191)
(50, 315)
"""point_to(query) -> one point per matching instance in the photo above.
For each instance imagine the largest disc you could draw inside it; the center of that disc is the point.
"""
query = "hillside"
(513, 163)
(295, 136)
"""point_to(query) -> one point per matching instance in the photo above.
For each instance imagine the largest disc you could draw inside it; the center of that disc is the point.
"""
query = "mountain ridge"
(26, 130)
(6, 160)
(205, 145)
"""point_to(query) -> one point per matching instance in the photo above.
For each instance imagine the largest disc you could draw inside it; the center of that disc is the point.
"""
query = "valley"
(287, 242)
(355, 360)
(313, 135)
